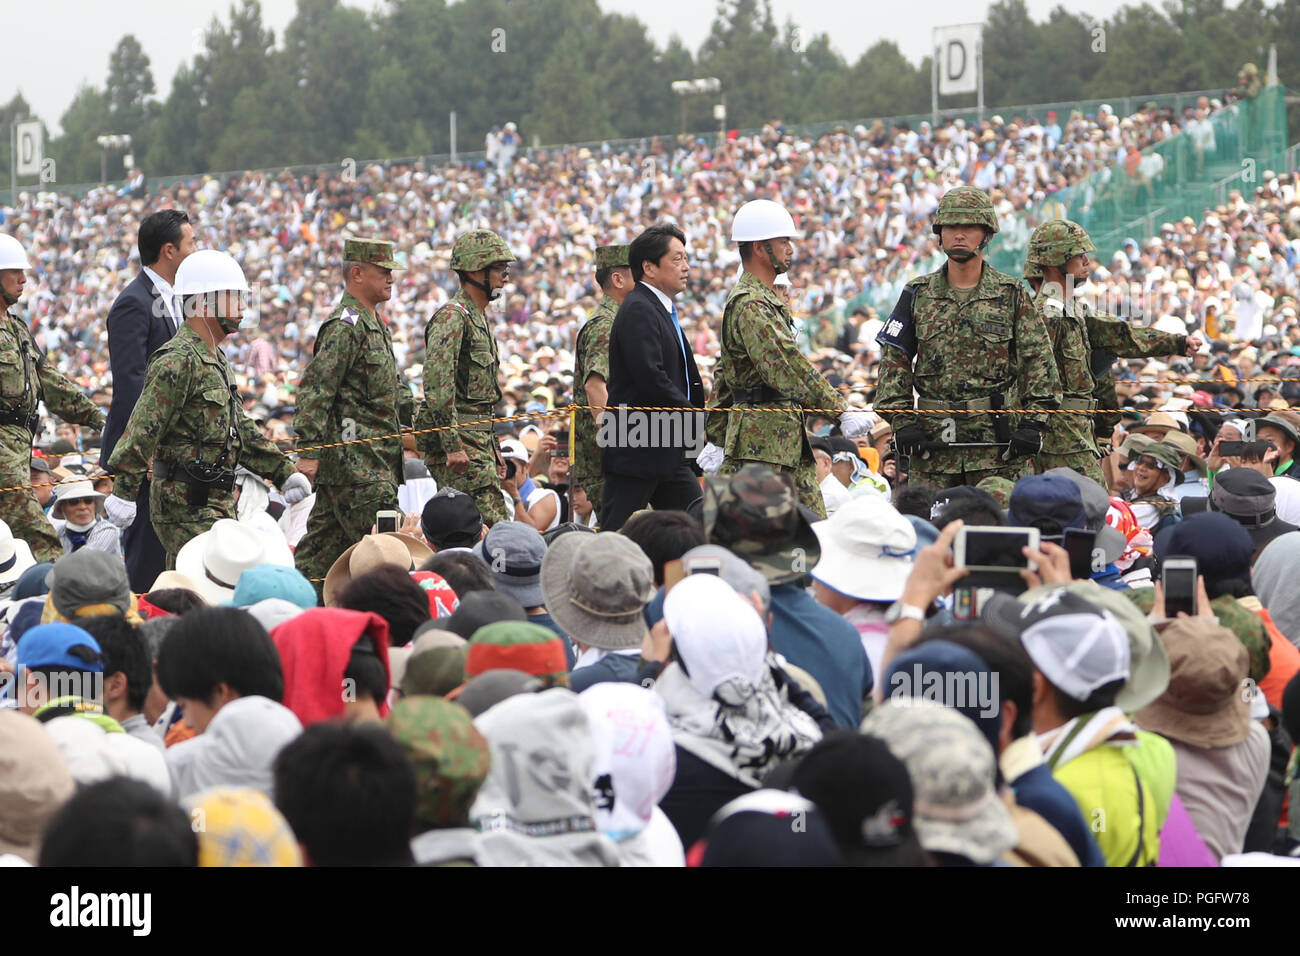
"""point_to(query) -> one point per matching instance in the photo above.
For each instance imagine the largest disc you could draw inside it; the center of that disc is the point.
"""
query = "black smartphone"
(387, 521)
(1178, 578)
(561, 445)
(1243, 449)
(1080, 543)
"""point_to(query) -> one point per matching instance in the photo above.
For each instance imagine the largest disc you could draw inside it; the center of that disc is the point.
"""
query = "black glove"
(911, 440)
(1025, 441)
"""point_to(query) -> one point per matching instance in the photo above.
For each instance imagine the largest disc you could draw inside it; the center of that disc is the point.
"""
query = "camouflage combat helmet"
(1053, 244)
(451, 758)
(479, 249)
(964, 206)
(756, 514)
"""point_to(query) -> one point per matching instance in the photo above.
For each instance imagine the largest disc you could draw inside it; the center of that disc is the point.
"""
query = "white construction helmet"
(12, 254)
(761, 219)
(209, 271)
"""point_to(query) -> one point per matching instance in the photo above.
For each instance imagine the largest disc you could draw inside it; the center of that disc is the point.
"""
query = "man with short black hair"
(128, 674)
(643, 454)
(144, 317)
(349, 793)
(119, 822)
(462, 570)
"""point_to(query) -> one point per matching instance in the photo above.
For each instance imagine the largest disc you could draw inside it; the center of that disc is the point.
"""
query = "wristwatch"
(900, 611)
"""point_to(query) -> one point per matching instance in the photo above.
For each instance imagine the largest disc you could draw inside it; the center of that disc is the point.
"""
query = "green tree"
(569, 104)
(176, 145)
(883, 83)
(76, 152)
(16, 109)
(744, 51)
(129, 90)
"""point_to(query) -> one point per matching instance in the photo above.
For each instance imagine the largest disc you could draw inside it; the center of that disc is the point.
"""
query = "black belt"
(174, 471)
(759, 394)
(13, 416)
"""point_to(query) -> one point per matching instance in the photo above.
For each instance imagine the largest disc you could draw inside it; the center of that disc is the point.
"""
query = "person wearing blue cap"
(58, 664)
(272, 581)
(1050, 503)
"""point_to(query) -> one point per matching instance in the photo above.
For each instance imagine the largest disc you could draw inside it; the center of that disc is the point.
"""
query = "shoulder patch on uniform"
(350, 316)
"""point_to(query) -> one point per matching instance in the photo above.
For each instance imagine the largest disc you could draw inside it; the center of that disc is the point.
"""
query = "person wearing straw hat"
(188, 428)
(373, 551)
(80, 521)
(352, 391)
(26, 380)
(591, 367)
(761, 367)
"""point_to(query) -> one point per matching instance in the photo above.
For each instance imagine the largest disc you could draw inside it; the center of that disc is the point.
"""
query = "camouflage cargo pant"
(20, 509)
(479, 480)
(1011, 471)
(341, 516)
(804, 475)
(1084, 462)
(176, 521)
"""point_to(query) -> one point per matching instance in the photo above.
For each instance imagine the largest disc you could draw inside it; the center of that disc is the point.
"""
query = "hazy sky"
(49, 71)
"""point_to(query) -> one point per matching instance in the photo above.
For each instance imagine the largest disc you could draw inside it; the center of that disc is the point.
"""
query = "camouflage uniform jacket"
(186, 412)
(26, 379)
(591, 358)
(352, 390)
(759, 351)
(1076, 331)
(460, 373)
(952, 351)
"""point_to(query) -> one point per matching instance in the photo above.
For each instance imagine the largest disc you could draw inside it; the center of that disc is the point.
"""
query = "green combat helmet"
(965, 206)
(1054, 243)
(479, 249)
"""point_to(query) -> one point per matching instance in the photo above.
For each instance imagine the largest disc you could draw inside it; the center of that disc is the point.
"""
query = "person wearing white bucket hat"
(79, 519)
(15, 558)
(215, 559)
(867, 553)
(188, 426)
(27, 380)
(761, 367)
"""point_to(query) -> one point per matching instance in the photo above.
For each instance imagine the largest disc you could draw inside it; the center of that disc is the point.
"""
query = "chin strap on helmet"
(9, 298)
(777, 265)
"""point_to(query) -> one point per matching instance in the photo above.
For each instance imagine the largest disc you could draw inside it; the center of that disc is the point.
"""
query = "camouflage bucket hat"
(1055, 242)
(965, 206)
(478, 250)
(377, 252)
(450, 757)
(756, 514)
(611, 257)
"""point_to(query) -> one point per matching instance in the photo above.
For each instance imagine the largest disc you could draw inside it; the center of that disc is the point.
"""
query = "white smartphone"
(994, 549)
(386, 521)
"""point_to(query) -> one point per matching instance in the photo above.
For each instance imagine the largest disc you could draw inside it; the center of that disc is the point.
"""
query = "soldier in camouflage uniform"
(189, 425)
(1056, 265)
(591, 366)
(966, 338)
(761, 367)
(26, 380)
(460, 377)
(352, 390)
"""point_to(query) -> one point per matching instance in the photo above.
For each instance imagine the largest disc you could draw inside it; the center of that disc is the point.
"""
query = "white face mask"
(80, 527)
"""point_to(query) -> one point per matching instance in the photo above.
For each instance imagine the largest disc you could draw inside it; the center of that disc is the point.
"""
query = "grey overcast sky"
(71, 47)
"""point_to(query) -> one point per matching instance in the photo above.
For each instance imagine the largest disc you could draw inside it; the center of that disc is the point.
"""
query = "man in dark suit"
(644, 453)
(144, 317)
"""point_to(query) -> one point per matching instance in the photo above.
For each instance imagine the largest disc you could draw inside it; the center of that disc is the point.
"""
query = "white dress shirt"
(170, 299)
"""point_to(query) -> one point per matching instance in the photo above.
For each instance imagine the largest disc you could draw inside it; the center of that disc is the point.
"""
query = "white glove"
(120, 511)
(856, 424)
(710, 458)
(295, 488)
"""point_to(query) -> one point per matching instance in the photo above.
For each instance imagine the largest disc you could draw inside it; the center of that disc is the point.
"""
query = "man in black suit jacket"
(644, 454)
(145, 315)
